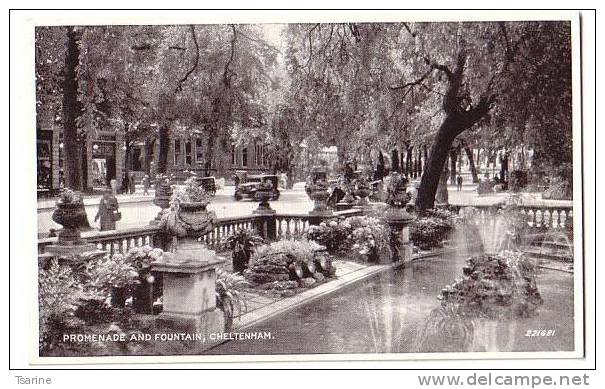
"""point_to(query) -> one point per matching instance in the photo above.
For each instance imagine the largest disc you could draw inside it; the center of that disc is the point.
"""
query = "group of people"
(129, 183)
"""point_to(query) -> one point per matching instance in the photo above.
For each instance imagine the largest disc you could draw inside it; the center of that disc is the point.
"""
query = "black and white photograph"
(404, 188)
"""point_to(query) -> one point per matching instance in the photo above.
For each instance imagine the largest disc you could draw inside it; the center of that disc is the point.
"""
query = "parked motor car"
(208, 183)
(250, 184)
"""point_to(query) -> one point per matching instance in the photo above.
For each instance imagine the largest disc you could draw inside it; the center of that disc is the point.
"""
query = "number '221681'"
(543, 333)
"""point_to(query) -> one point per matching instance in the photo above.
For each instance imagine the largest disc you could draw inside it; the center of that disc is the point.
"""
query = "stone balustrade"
(120, 241)
(549, 217)
(280, 226)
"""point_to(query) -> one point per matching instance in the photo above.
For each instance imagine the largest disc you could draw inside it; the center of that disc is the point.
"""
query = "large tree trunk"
(453, 170)
(164, 147)
(434, 167)
(442, 195)
(471, 163)
(83, 165)
(71, 111)
(458, 119)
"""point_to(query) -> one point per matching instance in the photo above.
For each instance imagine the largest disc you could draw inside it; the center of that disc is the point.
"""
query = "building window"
(245, 157)
(188, 155)
(199, 151)
(177, 151)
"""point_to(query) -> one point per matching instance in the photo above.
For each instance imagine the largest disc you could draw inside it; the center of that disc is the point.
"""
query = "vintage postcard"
(312, 186)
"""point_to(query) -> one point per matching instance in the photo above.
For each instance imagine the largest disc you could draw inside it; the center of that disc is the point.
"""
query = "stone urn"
(163, 194)
(399, 215)
(263, 195)
(317, 190)
(70, 214)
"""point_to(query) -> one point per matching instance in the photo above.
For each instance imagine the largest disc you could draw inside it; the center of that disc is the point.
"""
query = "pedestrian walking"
(132, 183)
(108, 211)
(459, 182)
(146, 184)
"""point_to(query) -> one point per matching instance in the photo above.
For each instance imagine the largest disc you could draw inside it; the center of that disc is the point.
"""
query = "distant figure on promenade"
(459, 182)
(131, 183)
(125, 183)
(108, 211)
(146, 184)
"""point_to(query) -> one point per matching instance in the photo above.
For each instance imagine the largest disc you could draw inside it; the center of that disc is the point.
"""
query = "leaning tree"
(435, 81)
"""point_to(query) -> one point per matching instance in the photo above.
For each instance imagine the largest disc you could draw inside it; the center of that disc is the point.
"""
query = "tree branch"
(226, 75)
(469, 118)
(195, 64)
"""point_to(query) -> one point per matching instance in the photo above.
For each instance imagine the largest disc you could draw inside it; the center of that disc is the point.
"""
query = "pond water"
(397, 311)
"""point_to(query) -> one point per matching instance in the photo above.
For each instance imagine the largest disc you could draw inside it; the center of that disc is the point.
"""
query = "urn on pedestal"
(398, 216)
(163, 194)
(189, 269)
(70, 214)
(317, 190)
(263, 195)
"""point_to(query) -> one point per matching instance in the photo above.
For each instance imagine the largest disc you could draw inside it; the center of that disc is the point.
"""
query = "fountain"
(498, 283)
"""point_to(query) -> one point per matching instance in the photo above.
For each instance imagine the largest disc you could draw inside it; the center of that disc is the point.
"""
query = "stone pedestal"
(401, 247)
(189, 277)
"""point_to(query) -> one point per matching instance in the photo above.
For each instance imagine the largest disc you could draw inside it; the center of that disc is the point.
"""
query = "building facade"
(104, 159)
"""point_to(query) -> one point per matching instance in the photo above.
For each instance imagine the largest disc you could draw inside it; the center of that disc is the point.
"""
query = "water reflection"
(398, 311)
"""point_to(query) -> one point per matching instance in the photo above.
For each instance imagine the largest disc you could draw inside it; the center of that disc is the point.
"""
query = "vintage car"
(208, 183)
(249, 184)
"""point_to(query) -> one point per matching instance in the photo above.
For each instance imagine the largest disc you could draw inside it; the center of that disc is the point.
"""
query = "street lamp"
(95, 147)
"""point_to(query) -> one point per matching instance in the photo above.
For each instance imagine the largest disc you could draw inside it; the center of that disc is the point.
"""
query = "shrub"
(242, 243)
(432, 228)
(58, 295)
(105, 273)
(142, 257)
(368, 236)
(286, 260)
(229, 295)
(331, 234)
(364, 235)
(499, 188)
(517, 180)
(558, 189)
(485, 187)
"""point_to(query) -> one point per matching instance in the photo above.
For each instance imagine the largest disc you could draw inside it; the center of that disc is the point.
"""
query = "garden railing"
(285, 225)
(272, 227)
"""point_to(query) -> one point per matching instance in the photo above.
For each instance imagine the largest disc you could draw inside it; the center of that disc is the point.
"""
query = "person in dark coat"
(131, 183)
(459, 182)
(108, 211)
